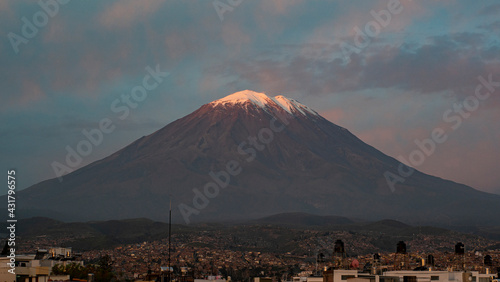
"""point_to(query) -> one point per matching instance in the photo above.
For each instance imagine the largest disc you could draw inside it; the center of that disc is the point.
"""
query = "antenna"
(169, 237)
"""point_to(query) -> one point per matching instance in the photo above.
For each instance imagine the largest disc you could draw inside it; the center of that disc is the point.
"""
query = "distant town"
(243, 253)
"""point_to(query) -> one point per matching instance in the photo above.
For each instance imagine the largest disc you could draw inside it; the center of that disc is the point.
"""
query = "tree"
(104, 272)
(74, 270)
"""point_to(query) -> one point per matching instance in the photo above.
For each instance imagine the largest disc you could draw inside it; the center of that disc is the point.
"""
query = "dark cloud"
(493, 27)
(445, 63)
(491, 10)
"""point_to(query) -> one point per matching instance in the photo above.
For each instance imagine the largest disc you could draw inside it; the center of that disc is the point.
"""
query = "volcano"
(247, 156)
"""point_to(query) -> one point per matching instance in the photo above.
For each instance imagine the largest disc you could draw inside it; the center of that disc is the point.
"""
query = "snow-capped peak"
(257, 98)
(263, 101)
(290, 104)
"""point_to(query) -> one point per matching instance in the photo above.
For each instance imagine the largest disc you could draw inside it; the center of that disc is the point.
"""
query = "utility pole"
(169, 239)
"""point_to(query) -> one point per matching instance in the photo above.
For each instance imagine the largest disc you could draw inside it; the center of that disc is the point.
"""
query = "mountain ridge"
(381, 235)
(310, 165)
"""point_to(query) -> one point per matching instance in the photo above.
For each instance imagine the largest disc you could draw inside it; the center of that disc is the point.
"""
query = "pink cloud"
(379, 136)
(341, 28)
(181, 44)
(234, 38)
(123, 14)
(334, 115)
(471, 163)
(470, 154)
(58, 31)
(278, 6)
(208, 83)
(4, 6)
(30, 92)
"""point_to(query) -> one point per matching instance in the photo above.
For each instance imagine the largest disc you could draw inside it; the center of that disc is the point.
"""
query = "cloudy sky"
(391, 72)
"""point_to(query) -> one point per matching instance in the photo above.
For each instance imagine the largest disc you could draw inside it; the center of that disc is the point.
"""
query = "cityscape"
(278, 253)
(250, 140)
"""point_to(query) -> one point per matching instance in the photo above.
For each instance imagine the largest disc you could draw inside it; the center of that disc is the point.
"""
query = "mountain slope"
(359, 238)
(284, 158)
(303, 219)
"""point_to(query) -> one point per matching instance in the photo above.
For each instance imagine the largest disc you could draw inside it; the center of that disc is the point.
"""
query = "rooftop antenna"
(169, 237)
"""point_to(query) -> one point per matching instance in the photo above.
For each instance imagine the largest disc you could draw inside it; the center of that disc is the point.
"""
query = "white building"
(439, 276)
(37, 267)
(406, 276)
